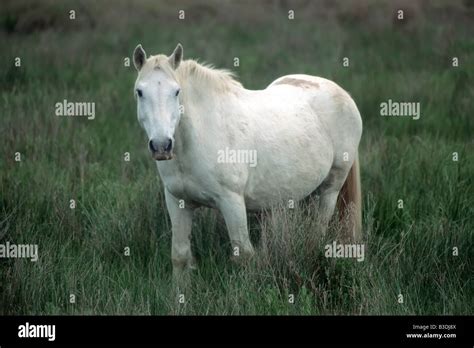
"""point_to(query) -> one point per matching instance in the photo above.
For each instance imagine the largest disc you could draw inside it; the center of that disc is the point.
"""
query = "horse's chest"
(185, 187)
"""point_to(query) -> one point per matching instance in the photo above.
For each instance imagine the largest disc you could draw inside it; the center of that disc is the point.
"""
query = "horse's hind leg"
(328, 193)
(232, 207)
(327, 204)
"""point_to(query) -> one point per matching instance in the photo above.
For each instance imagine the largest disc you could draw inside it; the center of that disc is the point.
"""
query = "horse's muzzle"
(161, 151)
(162, 156)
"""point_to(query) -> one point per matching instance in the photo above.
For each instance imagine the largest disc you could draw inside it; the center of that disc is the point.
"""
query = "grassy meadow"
(120, 203)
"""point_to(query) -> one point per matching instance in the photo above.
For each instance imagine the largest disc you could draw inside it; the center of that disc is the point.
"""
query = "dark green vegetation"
(120, 204)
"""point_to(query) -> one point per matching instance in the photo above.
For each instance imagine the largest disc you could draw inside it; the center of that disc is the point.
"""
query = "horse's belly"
(280, 182)
(266, 196)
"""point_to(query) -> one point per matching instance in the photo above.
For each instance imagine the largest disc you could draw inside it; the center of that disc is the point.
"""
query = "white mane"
(202, 75)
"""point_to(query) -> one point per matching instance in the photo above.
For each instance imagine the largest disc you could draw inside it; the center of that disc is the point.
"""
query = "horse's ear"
(139, 57)
(176, 57)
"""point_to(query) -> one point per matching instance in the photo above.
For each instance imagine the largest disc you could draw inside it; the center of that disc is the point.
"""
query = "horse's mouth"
(163, 156)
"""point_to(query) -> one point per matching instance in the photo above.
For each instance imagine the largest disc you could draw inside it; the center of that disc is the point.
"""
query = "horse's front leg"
(181, 223)
(232, 207)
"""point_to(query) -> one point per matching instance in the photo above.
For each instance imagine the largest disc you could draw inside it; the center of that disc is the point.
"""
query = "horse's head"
(157, 91)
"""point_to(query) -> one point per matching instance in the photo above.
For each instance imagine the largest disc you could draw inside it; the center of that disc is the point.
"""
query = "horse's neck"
(203, 111)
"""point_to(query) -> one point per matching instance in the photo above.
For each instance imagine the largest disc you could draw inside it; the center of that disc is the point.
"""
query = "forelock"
(159, 62)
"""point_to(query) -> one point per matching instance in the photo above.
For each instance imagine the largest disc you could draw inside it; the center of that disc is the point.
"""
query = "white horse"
(303, 131)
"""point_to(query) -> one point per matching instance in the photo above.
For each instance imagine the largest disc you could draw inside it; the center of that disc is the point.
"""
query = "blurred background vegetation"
(120, 204)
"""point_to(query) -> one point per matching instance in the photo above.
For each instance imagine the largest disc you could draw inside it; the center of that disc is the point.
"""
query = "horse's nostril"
(152, 146)
(169, 146)
(157, 147)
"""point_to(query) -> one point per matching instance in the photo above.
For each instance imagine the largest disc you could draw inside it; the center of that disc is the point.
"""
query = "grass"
(120, 204)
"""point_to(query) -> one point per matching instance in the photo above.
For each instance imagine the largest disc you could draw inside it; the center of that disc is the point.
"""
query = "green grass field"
(120, 204)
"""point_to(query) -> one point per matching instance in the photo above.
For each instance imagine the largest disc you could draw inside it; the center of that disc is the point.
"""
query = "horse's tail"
(349, 201)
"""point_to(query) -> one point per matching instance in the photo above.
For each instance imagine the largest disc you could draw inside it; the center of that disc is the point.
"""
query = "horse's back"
(333, 106)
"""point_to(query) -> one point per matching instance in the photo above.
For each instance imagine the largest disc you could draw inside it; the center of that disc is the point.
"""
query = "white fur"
(300, 131)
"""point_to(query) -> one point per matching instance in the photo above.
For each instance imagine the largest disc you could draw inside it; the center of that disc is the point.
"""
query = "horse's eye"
(177, 92)
(139, 93)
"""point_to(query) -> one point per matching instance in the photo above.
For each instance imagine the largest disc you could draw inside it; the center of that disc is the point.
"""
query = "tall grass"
(120, 204)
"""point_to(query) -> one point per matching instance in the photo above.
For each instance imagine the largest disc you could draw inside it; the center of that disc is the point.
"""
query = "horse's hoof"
(243, 257)
(192, 265)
